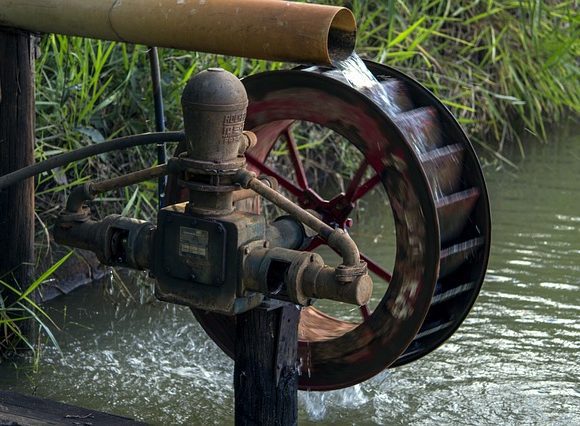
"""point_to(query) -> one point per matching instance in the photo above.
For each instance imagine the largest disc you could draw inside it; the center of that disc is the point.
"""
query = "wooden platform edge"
(17, 409)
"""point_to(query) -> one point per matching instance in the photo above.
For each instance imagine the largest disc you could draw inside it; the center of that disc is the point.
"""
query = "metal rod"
(244, 194)
(128, 179)
(336, 238)
(87, 191)
(159, 119)
(88, 151)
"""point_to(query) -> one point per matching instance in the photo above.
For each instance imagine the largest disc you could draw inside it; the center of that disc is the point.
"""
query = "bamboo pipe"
(264, 29)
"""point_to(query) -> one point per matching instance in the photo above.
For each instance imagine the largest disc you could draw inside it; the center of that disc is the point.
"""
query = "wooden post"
(266, 371)
(17, 53)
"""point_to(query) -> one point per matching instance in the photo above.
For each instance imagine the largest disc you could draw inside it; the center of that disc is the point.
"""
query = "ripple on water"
(513, 361)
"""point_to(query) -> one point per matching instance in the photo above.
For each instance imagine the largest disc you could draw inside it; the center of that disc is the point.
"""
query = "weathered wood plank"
(17, 122)
(17, 409)
(265, 373)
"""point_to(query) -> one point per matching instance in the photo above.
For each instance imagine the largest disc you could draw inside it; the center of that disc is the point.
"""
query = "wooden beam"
(17, 54)
(266, 371)
(16, 409)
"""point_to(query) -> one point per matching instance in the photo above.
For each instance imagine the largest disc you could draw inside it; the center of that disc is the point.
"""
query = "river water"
(515, 360)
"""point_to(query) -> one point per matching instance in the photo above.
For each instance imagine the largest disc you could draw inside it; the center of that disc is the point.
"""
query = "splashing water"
(317, 404)
(514, 361)
(357, 74)
(420, 126)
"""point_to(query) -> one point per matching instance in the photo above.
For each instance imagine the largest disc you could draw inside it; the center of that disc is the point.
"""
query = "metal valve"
(205, 253)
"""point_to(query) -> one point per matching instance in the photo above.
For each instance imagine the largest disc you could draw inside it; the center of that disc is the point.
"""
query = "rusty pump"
(205, 253)
(208, 253)
(221, 261)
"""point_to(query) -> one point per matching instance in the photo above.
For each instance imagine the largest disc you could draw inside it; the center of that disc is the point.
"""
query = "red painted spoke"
(356, 180)
(365, 312)
(284, 183)
(376, 268)
(314, 244)
(296, 160)
(365, 187)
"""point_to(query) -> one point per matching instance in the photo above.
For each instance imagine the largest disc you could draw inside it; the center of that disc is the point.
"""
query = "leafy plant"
(503, 67)
(18, 308)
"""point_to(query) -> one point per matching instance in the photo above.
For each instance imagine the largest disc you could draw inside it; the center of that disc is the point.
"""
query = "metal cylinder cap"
(215, 89)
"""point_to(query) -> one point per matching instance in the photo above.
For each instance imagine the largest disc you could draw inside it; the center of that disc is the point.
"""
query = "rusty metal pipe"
(263, 29)
(116, 240)
(244, 194)
(128, 179)
(321, 283)
(87, 191)
(300, 276)
(336, 238)
(286, 232)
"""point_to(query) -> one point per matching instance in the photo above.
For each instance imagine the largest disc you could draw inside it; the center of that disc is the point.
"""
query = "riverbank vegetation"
(23, 323)
(503, 67)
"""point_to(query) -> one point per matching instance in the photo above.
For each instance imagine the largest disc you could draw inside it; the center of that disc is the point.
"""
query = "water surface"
(515, 360)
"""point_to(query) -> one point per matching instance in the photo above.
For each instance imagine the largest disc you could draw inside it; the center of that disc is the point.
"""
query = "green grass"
(503, 67)
(19, 312)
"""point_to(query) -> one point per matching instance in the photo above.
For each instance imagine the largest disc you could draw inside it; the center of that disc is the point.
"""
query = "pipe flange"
(295, 276)
(348, 274)
(80, 216)
(183, 163)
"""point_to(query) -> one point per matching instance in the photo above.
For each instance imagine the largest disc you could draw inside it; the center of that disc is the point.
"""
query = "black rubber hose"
(89, 151)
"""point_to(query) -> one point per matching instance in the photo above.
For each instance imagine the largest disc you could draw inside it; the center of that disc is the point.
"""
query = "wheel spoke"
(284, 183)
(365, 312)
(376, 268)
(356, 180)
(314, 244)
(296, 160)
(362, 190)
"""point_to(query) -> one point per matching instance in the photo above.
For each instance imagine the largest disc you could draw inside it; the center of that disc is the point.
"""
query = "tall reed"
(502, 66)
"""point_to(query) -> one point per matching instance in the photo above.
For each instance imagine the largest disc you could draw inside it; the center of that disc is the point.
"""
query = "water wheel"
(419, 157)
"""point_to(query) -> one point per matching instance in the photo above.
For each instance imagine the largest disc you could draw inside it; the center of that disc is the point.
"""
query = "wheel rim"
(357, 351)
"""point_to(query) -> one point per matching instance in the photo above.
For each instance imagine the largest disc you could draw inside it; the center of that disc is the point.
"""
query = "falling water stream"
(356, 73)
(515, 360)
